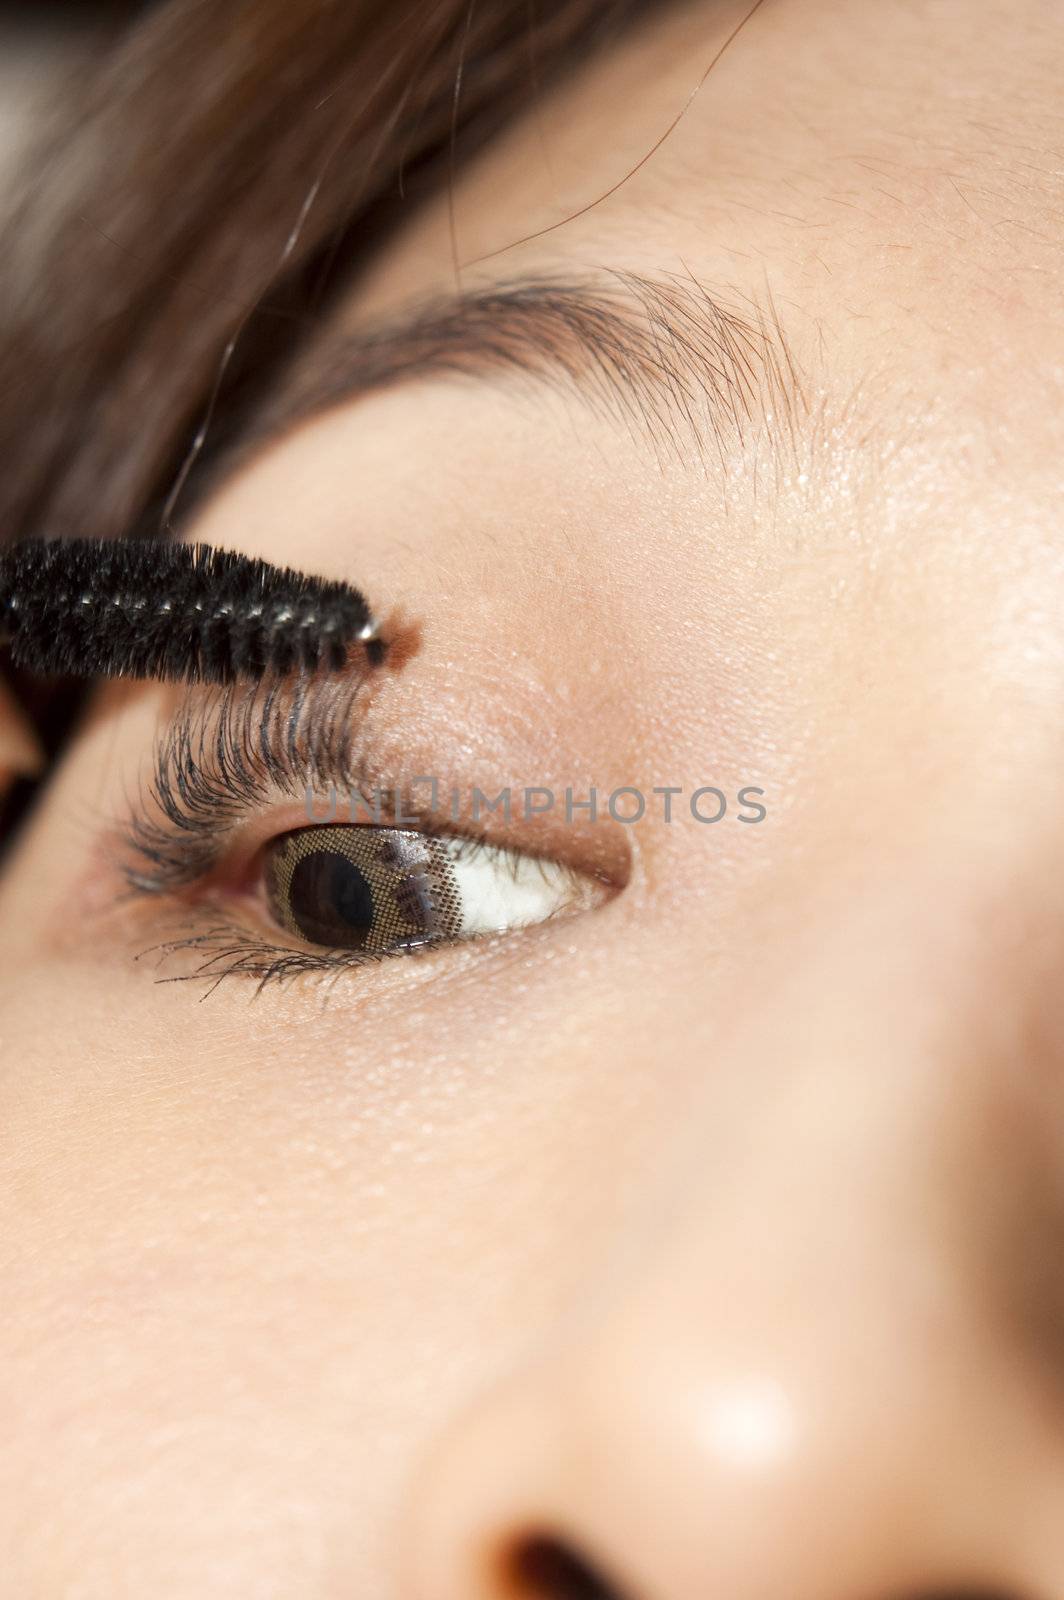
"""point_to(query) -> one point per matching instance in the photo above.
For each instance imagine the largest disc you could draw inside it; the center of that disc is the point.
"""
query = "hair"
(228, 168)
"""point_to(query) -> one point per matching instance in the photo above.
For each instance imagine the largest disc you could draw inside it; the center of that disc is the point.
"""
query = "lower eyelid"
(206, 946)
(214, 956)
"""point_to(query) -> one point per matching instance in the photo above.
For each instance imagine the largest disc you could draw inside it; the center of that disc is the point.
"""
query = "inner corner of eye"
(376, 889)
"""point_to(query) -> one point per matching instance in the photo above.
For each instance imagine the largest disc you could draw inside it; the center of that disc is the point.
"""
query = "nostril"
(542, 1567)
(539, 1567)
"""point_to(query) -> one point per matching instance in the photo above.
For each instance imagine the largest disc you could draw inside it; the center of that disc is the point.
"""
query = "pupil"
(330, 900)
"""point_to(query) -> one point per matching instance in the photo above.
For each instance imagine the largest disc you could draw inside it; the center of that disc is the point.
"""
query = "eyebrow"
(689, 370)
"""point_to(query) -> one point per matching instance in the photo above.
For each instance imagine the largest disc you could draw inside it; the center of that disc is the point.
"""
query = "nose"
(802, 1384)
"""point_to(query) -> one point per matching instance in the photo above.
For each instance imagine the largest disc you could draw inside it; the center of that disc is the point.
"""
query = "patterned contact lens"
(363, 888)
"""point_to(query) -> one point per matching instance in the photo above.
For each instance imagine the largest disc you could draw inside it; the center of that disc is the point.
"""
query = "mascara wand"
(147, 609)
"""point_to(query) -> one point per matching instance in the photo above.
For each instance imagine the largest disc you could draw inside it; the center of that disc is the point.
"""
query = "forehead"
(893, 172)
(885, 178)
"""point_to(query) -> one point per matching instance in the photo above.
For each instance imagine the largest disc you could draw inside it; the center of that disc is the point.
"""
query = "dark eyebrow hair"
(690, 370)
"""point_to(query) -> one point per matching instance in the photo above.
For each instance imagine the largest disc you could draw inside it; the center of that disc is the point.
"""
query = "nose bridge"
(801, 1190)
(792, 1331)
(854, 1058)
(919, 986)
(787, 1382)
(868, 1145)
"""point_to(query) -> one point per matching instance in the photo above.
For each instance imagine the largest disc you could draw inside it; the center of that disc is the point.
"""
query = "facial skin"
(717, 1231)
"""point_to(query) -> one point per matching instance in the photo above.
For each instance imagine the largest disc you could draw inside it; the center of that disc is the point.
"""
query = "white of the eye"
(504, 889)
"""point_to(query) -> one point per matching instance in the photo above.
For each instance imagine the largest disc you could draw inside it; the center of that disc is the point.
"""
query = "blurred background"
(45, 45)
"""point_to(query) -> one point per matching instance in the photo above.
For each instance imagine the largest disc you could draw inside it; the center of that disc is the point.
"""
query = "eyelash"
(222, 757)
(226, 951)
(225, 756)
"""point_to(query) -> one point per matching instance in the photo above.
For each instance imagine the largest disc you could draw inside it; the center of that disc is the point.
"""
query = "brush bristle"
(141, 609)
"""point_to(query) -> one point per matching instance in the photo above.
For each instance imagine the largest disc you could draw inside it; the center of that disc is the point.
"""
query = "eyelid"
(230, 774)
(234, 768)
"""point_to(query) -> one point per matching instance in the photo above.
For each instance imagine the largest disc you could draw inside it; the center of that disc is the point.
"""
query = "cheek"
(257, 1253)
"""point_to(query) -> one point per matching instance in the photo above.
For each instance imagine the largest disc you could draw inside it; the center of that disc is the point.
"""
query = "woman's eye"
(380, 889)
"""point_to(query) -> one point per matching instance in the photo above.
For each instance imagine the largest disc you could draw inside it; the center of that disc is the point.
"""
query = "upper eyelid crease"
(688, 368)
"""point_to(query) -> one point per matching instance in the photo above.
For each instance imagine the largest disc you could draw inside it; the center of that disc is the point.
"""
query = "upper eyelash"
(222, 756)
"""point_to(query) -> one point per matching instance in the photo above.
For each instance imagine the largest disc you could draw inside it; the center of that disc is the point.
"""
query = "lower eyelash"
(226, 950)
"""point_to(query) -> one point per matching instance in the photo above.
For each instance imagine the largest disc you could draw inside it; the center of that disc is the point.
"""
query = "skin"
(20, 753)
(716, 1230)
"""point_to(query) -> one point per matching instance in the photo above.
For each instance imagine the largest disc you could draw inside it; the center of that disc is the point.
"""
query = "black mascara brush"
(146, 609)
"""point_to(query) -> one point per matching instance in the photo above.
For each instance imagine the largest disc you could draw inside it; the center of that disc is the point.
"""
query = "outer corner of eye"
(379, 890)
